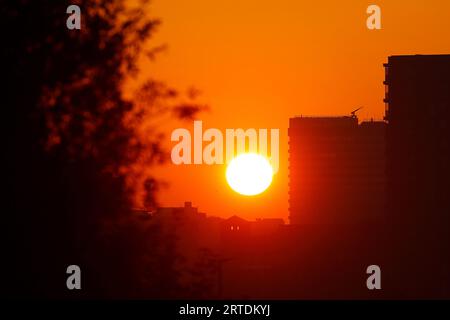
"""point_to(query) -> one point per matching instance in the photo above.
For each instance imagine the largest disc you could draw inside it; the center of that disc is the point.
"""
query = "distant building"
(185, 212)
(235, 227)
(192, 228)
(266, 226)
(336, 170)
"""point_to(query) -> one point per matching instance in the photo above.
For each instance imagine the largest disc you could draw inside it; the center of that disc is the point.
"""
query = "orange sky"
(259, 62)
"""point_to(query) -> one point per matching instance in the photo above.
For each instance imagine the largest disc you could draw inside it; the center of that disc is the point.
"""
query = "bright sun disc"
(249, 174)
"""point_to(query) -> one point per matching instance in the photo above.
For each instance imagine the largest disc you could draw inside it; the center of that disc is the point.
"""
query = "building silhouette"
(418, 110)
(336, 170)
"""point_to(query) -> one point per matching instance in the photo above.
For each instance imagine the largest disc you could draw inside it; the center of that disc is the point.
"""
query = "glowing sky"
(260, 62)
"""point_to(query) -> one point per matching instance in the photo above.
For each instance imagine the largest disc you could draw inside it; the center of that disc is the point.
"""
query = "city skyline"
(285, 150)
(268, 63)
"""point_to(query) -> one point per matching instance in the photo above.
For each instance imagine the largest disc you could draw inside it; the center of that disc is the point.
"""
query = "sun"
(249, 174)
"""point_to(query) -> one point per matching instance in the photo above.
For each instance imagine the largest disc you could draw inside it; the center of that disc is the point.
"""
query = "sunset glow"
(214, 159)
(313, 58)
(249, 174)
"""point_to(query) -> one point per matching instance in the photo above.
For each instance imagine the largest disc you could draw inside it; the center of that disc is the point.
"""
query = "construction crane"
(353, 113)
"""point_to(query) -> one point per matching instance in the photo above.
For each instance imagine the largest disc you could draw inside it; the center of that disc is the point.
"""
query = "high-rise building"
(336, 170)
(418, 111)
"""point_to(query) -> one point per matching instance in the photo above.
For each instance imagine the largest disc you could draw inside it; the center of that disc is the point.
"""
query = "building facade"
(336, 170)
(418, 110)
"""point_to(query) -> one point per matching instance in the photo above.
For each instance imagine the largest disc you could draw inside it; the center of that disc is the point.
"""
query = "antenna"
(353, 113)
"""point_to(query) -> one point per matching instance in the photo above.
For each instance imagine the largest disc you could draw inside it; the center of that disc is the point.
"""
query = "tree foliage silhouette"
(78, 149)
